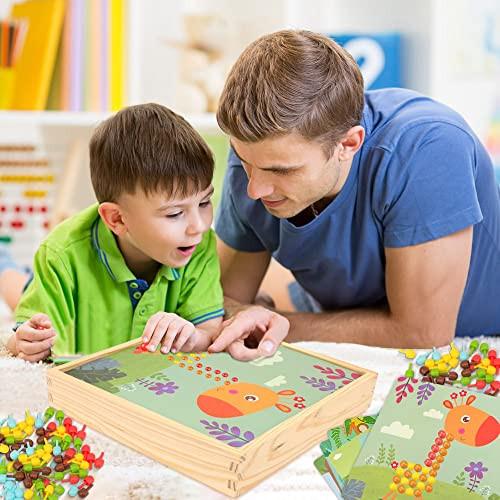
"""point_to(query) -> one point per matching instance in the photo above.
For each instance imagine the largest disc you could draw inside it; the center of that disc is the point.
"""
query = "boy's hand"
(33, 339)
(172, 332)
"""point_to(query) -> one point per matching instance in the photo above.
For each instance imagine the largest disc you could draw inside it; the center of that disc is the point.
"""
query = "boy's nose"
(196, 225)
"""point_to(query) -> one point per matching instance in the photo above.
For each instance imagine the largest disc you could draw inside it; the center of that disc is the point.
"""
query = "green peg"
(83, 473)
(77, 443)
(483, 349)
(480, 373)
(409, 373)
(473, 347)
(489, 378)
(465, 381)
(74, 468)
(59, 416)
(49, 413)
(59, 490)
(434, 372)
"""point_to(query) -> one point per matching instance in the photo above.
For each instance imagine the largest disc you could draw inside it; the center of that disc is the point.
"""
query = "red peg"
(52, 426)
(73, 479)
(67, 422)
(99, 461)
(476, 359)
(88, 480)
(70, 453)
(85, 447)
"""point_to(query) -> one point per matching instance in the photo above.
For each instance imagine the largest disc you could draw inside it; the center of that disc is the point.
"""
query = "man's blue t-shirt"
(421, 174)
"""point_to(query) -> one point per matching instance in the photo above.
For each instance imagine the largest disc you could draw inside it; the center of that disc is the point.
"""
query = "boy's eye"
(173, 216)
(205, 203)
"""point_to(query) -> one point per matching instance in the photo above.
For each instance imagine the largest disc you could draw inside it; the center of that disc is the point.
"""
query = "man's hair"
(150, 147)
(292, 81)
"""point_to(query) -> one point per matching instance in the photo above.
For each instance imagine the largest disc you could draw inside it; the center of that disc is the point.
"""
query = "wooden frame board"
(286, 428)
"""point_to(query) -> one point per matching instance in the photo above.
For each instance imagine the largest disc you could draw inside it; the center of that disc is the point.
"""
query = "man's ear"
(112, 216)
(351, 142)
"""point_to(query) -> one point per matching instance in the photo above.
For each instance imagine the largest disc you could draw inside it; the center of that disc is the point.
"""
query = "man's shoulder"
(393, 115)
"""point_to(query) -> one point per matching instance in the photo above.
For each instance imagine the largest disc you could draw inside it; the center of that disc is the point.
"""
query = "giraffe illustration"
(232, 398)
(242, 398)
(464, 424)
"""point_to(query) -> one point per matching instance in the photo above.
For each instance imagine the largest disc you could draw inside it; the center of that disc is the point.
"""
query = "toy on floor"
(475, 367)
(38, 455)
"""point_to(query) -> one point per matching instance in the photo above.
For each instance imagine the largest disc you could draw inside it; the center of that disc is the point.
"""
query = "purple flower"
(476, 470)
(160, 388)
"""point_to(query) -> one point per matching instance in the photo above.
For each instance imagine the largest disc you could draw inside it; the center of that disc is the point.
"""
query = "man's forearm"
(359, 326)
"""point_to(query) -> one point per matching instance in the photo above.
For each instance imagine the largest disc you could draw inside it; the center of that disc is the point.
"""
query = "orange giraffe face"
(242, 398)
(469, 425)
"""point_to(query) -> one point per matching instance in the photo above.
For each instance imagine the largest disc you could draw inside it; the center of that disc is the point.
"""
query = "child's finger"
(186, 332)
(33, 358)
(40, 320)
(150, 326)
(159, 331)
(33, 335)
(35, 347)
(170, 334)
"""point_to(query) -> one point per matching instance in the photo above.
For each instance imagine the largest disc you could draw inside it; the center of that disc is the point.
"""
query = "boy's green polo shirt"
(94, 301)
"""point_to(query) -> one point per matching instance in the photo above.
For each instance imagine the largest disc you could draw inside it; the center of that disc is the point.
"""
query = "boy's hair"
(292, 81)
(150, 147)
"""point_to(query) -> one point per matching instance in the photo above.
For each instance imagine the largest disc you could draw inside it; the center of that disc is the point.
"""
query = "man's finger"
(239, 351)
(234, 331)
(276, 332)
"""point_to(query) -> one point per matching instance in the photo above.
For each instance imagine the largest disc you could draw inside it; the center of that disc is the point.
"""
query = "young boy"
(140, 262)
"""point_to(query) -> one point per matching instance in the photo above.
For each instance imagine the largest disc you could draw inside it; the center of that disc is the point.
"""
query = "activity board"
(436, 442)
(226, 423)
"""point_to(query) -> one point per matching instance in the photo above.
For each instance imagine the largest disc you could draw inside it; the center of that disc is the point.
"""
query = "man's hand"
(33, 339)
(172, 332)
(253, 323)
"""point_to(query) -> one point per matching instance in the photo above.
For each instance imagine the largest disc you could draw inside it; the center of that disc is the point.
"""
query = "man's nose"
(257, 186)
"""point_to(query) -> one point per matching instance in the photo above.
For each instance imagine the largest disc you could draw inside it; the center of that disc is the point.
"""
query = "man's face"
(163, 229)
(289, 173)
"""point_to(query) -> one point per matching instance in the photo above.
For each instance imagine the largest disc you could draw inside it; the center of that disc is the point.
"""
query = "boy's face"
(162, 229)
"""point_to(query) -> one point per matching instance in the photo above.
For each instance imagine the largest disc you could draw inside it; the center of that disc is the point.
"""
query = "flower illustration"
(300, 406)
(453, 395)
(463, 393)
(475, 470)
(299, 399)
(160, 388)
(476, 473)
(394, 464)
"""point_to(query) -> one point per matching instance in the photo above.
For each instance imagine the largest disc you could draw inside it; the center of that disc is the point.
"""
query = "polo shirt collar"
(110, 256)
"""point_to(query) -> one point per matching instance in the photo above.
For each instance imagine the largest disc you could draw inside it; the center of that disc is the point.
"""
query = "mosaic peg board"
(247, 419)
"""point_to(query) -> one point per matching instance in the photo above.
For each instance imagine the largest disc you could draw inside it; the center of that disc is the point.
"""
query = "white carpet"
(127, 474)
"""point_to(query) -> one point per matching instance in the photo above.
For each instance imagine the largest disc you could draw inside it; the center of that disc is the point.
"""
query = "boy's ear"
(111, 215)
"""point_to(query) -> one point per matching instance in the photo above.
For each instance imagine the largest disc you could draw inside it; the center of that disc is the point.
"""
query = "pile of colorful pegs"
(38, 455)
(476, 367)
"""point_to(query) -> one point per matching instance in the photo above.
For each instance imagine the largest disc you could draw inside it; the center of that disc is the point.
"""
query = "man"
(383, 206)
